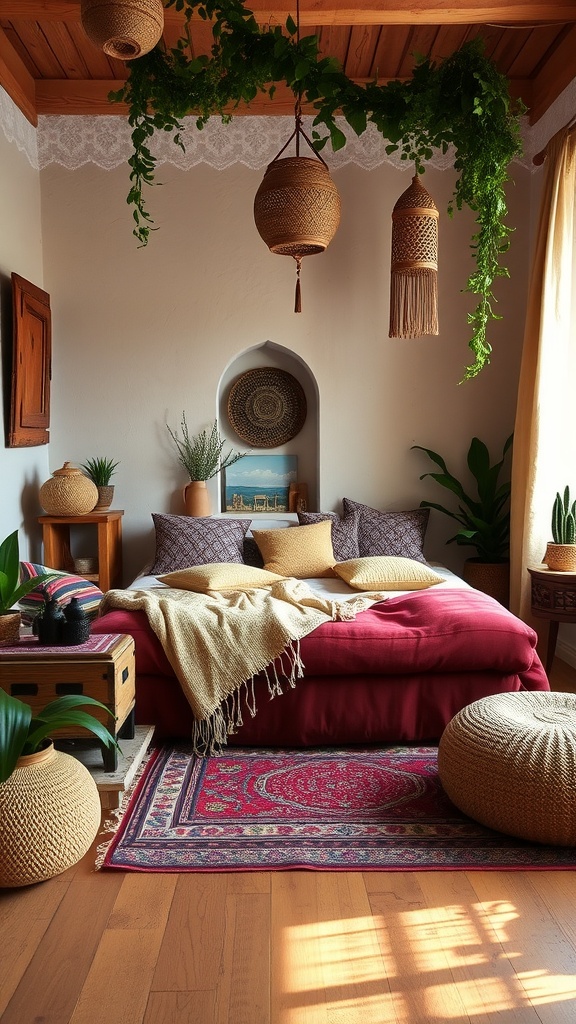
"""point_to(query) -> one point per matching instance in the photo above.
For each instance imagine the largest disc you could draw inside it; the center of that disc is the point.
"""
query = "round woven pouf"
(509, 762)
(49, 814)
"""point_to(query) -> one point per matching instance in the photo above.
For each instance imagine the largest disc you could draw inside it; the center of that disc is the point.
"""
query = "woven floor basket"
(50, 814)
(123, 28)
(297, 207)
(509, 762)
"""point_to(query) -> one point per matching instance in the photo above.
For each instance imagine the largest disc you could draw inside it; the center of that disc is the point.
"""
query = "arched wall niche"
(305, 445)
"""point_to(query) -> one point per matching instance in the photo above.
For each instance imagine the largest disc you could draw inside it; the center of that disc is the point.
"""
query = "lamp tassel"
(298, 293)
(414, 264)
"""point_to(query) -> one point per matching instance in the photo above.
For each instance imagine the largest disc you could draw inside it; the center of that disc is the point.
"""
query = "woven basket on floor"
(509, 762)
(50, 813)
(123, 28)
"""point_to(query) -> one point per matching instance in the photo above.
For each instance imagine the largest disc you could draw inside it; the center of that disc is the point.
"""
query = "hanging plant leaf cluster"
(462, 101)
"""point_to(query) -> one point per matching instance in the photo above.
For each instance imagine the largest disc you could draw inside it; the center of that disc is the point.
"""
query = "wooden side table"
(56, 540)
(553, 597)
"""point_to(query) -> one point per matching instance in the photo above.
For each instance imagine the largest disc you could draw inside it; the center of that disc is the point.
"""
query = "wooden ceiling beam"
(91, 97)
(345, 12)
(16, 80)
(556, 74)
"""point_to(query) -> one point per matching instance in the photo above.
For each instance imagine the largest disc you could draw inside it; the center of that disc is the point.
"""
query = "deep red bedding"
(395, 674)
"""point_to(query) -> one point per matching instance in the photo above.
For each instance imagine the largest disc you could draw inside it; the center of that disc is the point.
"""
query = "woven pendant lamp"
(414, 264)
(297, 206)
(124, 29)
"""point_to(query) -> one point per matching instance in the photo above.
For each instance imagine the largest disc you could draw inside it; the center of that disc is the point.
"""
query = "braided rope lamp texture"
(414, 264)
(124, 29)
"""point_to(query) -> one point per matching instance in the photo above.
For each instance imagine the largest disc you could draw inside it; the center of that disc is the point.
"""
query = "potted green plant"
(49, 802)
(561, 551)
(202, 456)
(100, 470)
(11, 590)
(484, 518)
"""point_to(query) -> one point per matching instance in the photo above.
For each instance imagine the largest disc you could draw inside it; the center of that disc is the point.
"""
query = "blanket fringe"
(209, 735)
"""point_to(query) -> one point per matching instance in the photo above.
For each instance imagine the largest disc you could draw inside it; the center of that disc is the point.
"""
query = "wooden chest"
(103, 668)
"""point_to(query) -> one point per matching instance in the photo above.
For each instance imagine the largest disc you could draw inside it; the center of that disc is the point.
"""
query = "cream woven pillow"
(386, 572)
(219, 576)
(304, 552)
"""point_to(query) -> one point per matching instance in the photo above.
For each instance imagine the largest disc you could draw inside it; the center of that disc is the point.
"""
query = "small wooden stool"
(509, 762)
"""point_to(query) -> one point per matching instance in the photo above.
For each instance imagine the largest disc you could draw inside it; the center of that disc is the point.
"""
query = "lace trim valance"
(73, 141)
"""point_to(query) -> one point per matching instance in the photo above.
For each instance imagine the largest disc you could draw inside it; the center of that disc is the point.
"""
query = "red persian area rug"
(260, 810)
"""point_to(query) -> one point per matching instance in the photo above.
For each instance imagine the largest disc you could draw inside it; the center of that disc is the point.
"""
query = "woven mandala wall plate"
(266, 407)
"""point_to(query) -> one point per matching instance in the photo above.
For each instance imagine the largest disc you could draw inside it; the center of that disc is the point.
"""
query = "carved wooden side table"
(553, 598)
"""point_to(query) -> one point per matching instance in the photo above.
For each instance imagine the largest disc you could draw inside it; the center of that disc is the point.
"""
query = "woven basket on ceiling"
(297, 207)
(414, 264)
(50, 812)
(124, 29)
(509, 762)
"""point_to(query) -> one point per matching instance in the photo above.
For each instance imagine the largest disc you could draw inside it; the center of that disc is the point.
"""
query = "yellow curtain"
(545, 409)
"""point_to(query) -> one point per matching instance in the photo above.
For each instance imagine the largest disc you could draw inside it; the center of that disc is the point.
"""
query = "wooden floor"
(294, 947)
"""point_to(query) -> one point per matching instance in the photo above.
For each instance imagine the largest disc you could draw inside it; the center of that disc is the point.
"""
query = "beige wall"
(141, 334)
(22, 470)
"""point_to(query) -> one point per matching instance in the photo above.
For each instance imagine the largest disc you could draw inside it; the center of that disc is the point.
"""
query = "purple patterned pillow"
(344, 532)
(390, 533)
(183, 541)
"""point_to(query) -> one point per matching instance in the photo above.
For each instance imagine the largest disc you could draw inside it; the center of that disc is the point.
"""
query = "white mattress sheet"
(329, 588)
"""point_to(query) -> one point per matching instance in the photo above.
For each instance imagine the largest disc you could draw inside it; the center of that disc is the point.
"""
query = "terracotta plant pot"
(560, 557)
(196, 498)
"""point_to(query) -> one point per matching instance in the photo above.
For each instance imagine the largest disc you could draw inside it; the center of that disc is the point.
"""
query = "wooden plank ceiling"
(48, 66)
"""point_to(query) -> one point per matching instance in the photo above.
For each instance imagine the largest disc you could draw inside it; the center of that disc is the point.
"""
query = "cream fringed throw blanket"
(217, 643)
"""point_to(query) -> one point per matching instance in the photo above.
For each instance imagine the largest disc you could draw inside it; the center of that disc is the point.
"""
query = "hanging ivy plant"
(462, 101)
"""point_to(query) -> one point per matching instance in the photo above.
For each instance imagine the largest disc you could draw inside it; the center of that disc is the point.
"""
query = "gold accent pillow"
(304, 552)
(219, 576)
(386, 572)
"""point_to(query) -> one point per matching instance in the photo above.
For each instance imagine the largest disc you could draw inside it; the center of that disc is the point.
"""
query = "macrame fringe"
(413, 303)
(210, 735)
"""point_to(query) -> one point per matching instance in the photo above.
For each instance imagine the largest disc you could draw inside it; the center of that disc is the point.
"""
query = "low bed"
(396, 672)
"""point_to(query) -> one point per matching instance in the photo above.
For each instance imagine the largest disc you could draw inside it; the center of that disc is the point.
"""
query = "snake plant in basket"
(561, 552)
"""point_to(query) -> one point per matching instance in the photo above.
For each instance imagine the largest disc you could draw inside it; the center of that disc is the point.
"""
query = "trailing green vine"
(462, 101)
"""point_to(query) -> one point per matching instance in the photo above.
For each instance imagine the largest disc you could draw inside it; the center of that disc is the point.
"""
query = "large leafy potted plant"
(11, 590)
(49, 803)
(202, 456)
(483, 518)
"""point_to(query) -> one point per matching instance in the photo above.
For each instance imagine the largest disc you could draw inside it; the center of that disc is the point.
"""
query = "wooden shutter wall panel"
(31, 365)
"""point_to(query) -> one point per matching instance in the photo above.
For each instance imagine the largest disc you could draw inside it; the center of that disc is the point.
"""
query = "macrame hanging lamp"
(414, 264)
(297, 206)
(124, 29)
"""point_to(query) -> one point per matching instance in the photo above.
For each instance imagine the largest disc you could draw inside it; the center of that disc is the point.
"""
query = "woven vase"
(68, 493)
(9, 628)
(124, 29)
(50, 813)
(414, 264)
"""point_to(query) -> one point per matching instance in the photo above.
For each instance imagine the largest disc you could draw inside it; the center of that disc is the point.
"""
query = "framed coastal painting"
(259, 483)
